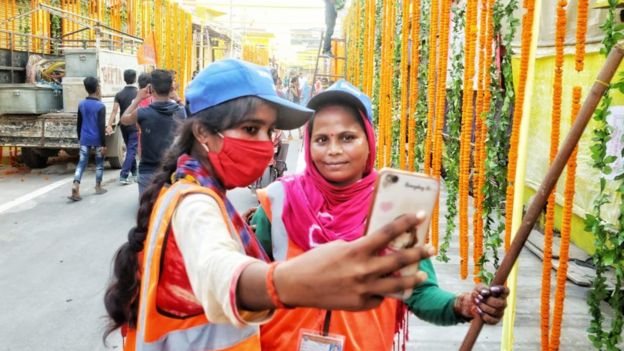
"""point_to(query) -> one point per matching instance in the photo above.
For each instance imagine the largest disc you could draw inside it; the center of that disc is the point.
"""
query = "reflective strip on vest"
(279, 236)
(204, 336)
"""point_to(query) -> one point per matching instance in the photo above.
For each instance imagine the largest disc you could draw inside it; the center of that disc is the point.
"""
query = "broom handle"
(556, 168)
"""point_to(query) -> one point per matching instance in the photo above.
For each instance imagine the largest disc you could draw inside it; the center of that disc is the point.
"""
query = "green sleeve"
(262, 228)
(431, 303)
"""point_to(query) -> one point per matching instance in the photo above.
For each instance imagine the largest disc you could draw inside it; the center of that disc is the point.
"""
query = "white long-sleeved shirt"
(214, 260)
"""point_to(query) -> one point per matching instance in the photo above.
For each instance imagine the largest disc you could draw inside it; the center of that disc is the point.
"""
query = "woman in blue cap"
(192, 275)
(330, 201)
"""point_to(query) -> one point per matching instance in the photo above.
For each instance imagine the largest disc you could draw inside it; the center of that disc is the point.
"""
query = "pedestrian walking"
(192, 275)
(123, 100)
(330, 201)
(158, 122)
(91, 132)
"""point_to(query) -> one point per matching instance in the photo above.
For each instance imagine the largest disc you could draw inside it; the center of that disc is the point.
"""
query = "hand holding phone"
(398, 193)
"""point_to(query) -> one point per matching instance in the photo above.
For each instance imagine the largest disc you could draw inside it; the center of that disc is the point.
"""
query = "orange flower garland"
(413, 88)
(438, 141)
(581, 30)
(566, 228)
(431, 82)
(390, 66)
(466, 133)
(383, 86)
(554, 147)
(478, 139)
(527, 24)
(566, 222)
(480, 155)
(385, 92)
(404, 81)
(369, 47)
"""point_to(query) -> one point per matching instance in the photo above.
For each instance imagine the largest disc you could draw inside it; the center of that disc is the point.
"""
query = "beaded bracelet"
(271, 287)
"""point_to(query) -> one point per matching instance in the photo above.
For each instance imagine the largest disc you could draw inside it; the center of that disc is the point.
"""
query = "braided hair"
(121, 299)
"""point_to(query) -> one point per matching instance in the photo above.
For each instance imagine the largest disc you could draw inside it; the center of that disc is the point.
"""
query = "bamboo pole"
(514, 218)
(554, 172)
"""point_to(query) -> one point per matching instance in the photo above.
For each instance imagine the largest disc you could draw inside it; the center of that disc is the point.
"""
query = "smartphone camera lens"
(393, 178)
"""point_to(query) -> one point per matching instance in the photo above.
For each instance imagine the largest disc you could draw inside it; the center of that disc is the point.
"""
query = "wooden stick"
(535, 208)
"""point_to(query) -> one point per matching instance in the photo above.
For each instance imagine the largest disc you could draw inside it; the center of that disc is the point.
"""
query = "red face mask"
(240, 161)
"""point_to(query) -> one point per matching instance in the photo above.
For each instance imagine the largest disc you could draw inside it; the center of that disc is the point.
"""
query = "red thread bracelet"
(271, 287)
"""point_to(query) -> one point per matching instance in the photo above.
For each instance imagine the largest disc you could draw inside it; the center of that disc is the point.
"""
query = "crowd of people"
(294, 273)
(149, 116)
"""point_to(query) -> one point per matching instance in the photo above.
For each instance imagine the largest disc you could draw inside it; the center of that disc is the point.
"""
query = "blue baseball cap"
(343, 91)
(229, 79)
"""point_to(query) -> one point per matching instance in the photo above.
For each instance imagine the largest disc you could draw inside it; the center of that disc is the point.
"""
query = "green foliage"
(498, 121)
(608, 241)
(423, 74)
(377, 64)
(450, 158)
(360, 42)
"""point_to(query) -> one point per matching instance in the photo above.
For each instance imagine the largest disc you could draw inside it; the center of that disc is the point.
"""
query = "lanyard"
(326, 322)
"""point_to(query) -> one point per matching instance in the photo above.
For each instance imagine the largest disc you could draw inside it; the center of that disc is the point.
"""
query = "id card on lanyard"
(310, 340)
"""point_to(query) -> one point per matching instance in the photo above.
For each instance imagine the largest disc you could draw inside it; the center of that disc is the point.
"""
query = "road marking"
(41, 191)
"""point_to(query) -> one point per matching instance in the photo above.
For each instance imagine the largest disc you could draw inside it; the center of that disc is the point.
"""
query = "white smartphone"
(398, 193)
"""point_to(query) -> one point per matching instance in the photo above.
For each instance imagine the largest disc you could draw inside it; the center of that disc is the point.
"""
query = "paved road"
(56, 255)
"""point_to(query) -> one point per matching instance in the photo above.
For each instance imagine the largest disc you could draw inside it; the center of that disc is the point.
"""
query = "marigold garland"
(357, 81)
(581, 30)
(554, 148)
(566, 228)
(487, 23)
(390, 67)
(431, 82)
(385, 114)
(413, 84)
(438, 141)
(404, 82)
(369, 47)
(527, 26)
(466, 133)
(382, 86)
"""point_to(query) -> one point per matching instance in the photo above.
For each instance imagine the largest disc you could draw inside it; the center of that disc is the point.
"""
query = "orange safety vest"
(363, 331)
(158, 331)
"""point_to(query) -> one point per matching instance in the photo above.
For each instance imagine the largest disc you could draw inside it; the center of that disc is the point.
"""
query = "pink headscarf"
(316, 211)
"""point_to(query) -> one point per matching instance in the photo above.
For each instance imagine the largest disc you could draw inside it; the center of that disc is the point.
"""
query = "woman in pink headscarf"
(330, 201)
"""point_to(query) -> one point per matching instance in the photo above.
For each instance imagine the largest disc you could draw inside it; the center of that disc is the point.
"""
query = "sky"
(272, 15)
(275, 16)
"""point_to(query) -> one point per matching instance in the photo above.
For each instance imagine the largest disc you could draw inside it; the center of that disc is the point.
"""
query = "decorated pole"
(554, 172)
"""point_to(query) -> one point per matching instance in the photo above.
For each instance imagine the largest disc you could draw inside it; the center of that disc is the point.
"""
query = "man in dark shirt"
(158, 122)
(91, 134)
(123, 100)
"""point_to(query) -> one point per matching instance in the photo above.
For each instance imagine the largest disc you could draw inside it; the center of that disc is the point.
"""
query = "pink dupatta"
(317, 212)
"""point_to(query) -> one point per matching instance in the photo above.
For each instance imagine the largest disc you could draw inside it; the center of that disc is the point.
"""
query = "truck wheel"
(116, 153)
(34, 158)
